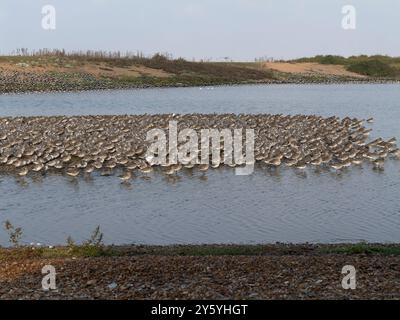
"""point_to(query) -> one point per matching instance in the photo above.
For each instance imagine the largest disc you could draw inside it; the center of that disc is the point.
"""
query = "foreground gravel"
(275, 276)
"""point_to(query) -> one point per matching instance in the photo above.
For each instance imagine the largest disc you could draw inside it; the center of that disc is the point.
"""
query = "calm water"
(218, 207)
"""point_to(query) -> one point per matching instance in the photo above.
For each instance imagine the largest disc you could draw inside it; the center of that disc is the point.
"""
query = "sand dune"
(311, 67)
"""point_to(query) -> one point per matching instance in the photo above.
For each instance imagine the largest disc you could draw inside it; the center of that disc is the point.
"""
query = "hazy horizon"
(241, 30)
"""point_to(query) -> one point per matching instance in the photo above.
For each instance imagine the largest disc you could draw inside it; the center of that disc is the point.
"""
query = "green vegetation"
(374, 66)
(363, 248)
(93, 247)
(328, 59)
(83, 251)
(14, 233)
(89, 250)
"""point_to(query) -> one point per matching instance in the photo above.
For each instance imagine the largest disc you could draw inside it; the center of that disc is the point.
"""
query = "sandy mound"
(311, 67)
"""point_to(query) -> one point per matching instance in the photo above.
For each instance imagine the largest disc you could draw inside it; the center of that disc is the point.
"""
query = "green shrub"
(373, 68)
(93, 247)
(363, 248)
(327, 59)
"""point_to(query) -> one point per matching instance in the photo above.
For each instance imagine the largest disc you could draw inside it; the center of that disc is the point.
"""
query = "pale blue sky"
(240, 29)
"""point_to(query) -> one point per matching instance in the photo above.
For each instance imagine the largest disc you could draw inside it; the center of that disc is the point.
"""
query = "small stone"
(91, 282)
(112, 286)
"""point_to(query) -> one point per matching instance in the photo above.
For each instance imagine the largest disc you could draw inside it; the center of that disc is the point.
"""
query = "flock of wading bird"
(84, 144)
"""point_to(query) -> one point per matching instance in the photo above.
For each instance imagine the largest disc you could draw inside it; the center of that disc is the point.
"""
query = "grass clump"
(15, 234)
(93, 247)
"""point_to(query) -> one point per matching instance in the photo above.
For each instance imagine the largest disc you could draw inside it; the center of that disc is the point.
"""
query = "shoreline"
(173, 86)
(60, 71)
(260, 249)
(275, 271)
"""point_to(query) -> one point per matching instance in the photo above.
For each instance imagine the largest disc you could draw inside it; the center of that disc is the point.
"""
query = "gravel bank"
(297, 272)
(26, 81)
(225, 277)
